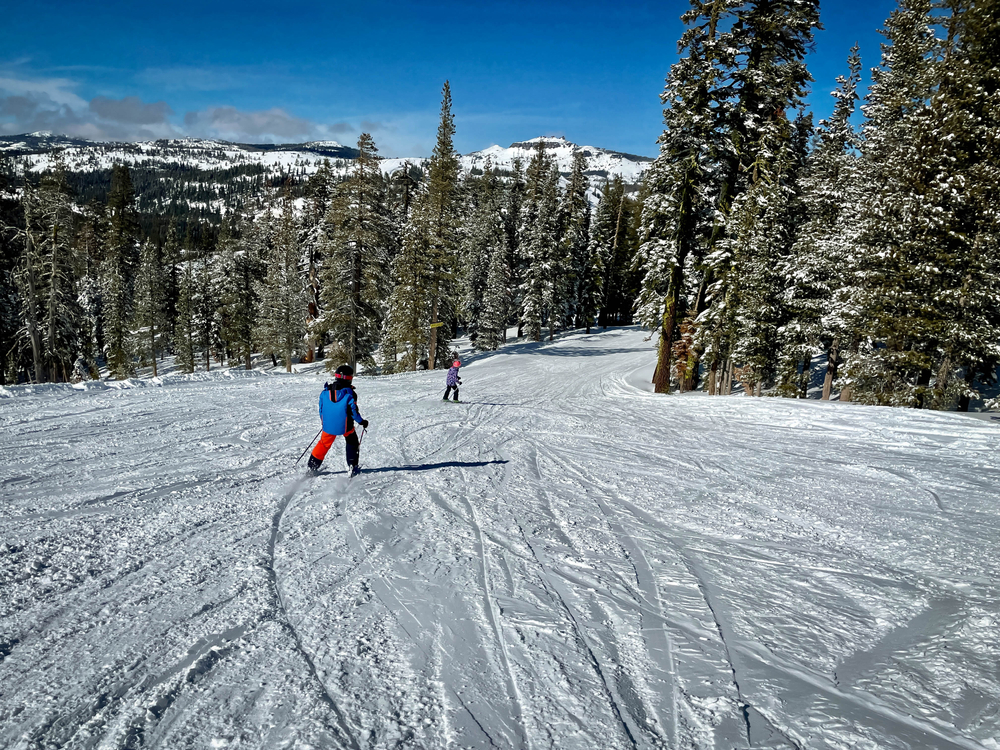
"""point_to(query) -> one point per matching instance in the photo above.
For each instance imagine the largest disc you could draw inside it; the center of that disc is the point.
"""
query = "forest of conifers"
(759, 249)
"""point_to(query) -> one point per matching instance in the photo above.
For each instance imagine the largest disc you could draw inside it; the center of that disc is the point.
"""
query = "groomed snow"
(564, 561)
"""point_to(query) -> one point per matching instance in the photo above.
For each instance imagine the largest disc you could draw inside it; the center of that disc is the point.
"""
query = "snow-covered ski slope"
(565, 561)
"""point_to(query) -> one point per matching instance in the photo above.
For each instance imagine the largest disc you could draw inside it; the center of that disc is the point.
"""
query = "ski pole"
(309, 446)
(363, 431)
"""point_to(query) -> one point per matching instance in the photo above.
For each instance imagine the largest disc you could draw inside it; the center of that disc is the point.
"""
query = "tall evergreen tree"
(150, 305)
(890, 361)
(47, 279)
(409, 301)
(683, 182)
(283, 295)
(121, 260)
(185, 325)
(577, 280)
(539, 240)
(481, 241)
(319, 190)
(818, 272)
(360, 239)
(513, 201)
(441, 220)
(242, 274)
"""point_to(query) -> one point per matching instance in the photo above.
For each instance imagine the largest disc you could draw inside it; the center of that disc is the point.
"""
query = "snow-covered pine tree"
(977, 91)
(283, 294)
(959, 221)
(402, 190)
(121, 260)
(513, 200)
(766, 80)
(496, 302)
(539, 239)
(149, 325)
(242, 273)
(185, 332)
(409, 303)
(359, 244)
(46, 278)
(319, 192)
(208, 283)
(482, 238)
(172, 271)
(441, 222)
(602, 237)
(683, 181)
(896, 337)
(90, 295)
(574, 215)
(618, 241)
(817, 274)
(10, 251)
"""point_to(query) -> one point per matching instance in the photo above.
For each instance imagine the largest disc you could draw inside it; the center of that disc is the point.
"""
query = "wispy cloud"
(233, 124)
(29, 104)
(38, 103)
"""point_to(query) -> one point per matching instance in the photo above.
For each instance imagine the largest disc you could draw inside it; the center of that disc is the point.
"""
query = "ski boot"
(314, 464)
(355, 470)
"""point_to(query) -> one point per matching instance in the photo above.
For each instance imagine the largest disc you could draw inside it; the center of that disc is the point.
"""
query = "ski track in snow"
(564, 561)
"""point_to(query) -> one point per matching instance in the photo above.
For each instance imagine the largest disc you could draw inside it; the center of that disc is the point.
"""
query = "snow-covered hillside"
(564, 561)
(33, 153)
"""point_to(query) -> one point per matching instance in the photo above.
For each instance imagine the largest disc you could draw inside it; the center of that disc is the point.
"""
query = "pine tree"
(409, 303)
(121, 248)
(320, 189)
(972, 343)
(47, 279)
(242, 274)
(185, 332)
(441, 222)
(513, 201)
(539, 238)
(614, 229)
(360, 239)
(209, 282)
(481, 242)
(150, 304)
(891, 358)
(680, 186)
(757, 165)
(90, 295)
(283, 296)
(577, 281)
(172, 271)
(818, 272)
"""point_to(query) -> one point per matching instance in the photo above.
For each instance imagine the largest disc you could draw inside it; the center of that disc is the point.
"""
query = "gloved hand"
(364, 423)
(460, 381)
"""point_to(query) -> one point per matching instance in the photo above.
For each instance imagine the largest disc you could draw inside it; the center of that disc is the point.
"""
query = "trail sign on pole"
(437, 325)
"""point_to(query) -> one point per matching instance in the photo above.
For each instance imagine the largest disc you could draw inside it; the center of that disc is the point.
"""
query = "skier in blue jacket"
(452, 380)
(338, 410)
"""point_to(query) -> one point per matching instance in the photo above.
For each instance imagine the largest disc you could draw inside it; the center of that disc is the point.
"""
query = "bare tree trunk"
(832, 365)
(713, 377)
(432, 345)
(964, 401)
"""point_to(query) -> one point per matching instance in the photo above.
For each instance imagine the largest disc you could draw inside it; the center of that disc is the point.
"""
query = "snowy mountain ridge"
(32, 152)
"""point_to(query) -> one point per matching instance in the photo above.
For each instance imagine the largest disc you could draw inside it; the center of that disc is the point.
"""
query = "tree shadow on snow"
(428, 467)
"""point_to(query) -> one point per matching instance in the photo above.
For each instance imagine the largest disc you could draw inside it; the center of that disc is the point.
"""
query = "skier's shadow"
(428, 467)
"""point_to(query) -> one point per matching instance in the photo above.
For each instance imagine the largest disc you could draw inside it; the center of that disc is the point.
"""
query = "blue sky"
(253, 72)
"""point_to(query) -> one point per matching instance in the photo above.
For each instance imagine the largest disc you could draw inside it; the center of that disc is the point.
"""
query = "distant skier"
(452, 381)
(338, 410)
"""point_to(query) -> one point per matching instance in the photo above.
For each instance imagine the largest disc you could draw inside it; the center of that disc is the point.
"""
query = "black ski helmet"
(344, 375)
